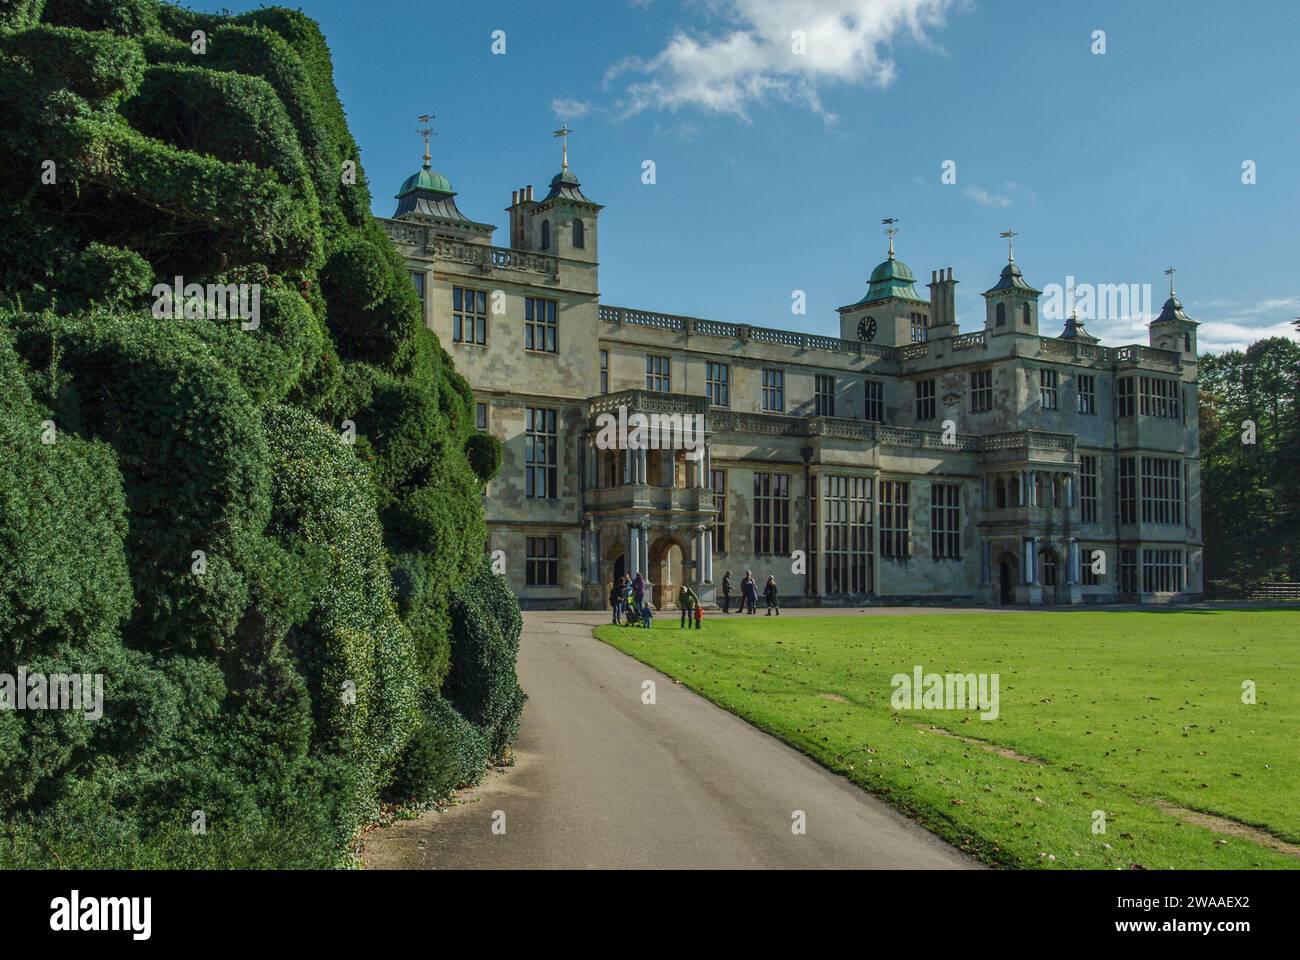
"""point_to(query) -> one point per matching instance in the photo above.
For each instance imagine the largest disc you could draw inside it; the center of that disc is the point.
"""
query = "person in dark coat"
(769, 593)
(616, 599)
(749, 592)
(638, 592)
(726, 592)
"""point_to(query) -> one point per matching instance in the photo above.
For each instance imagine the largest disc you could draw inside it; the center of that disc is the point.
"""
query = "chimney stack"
(943, 304)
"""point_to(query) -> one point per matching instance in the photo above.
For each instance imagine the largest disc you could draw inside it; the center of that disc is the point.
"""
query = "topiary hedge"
(265, 539)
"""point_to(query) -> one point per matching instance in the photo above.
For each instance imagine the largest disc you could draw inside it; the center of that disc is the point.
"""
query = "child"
(699, 616)
(647, 616)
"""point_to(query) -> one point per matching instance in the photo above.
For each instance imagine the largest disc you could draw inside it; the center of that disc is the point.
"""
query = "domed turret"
(891, 313)
(427, 195)
(563, 223)
(1011, 304)
(1174, 330)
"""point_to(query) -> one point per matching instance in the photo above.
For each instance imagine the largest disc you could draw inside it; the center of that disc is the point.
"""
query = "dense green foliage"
(1251, 491)
(267, 540)
(1137, 714)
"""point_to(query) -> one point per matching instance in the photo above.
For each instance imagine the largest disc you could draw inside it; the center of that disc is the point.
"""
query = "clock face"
(867, 329)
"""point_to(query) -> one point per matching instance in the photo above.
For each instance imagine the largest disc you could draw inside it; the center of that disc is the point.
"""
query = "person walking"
(686, 602)
(749, 592)
(769, 593)
(726, 592)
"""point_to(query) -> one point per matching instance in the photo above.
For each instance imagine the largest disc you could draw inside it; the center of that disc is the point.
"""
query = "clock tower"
(892, 314)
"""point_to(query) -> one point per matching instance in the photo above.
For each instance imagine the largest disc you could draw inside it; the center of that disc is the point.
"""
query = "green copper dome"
(426, 179)
(892, 279)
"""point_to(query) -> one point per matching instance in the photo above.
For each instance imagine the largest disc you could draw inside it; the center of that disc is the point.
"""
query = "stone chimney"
(943, 304)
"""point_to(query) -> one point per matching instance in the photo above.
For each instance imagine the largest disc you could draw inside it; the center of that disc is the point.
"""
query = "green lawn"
(1125, 709)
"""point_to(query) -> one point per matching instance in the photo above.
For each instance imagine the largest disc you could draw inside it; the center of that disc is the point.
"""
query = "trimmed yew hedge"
(292, 625)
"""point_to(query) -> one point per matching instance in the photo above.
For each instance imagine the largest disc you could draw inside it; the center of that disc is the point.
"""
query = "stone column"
(1028, 559)
(1069, 491)
(632, 555)
(642, 466)
(645, 549)
(986, 562)
(708, 555)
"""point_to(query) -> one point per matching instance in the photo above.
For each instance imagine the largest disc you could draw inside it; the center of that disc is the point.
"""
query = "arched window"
(1024, 314)
(579, 235)
(1002, 314)
(546, 234)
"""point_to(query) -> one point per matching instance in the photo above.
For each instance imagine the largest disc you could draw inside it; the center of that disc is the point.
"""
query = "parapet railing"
(649, 401)
(1035, 439)
(775, 424)
(1133, 353)
(481, 255)
(743, 332)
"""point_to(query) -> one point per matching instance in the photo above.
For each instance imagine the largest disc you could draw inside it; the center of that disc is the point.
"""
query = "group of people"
(627, 603)
(749, 595)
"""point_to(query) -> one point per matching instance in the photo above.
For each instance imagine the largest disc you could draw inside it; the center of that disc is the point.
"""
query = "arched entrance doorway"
(1049, 574)
(1007, 580)
(620, 568)
(667, 570)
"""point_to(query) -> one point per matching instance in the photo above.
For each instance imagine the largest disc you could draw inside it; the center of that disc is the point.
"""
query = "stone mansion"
(897, 461)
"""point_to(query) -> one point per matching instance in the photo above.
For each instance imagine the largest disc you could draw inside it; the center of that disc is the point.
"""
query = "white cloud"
(753, 58)
(986, 199)
(1234, 325)
(570, 109)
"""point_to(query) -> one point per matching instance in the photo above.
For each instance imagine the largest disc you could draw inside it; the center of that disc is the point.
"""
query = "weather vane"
(426, 131)
(892, 231)
(1009, 236)
(563, 134)
(1170, 274)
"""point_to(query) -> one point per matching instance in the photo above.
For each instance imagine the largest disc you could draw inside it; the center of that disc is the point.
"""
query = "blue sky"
(774, 169)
